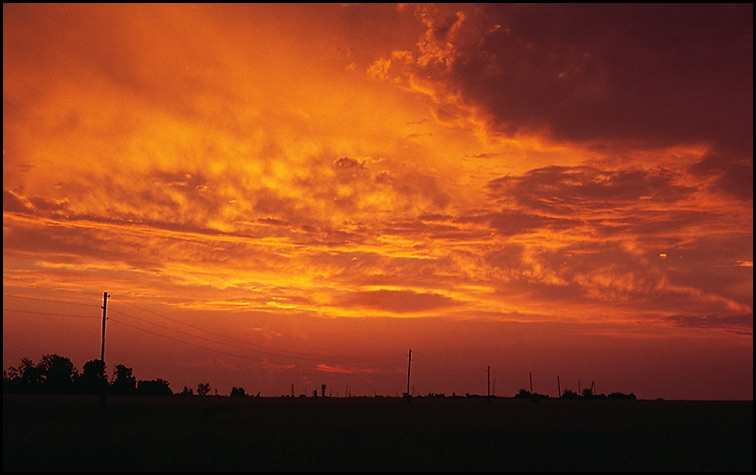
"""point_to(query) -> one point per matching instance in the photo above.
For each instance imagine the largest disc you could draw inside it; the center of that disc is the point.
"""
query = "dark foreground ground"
(173, 433)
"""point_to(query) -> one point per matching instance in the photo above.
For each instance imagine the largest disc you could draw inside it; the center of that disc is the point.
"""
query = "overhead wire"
(49, 300)
(34, 312)
(284, 353)
(423, 361)
(369, 362)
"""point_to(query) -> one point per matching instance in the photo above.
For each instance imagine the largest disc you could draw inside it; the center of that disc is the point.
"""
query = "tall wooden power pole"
(409, 369)
(531, 383)
(104, 317)
(104, 382)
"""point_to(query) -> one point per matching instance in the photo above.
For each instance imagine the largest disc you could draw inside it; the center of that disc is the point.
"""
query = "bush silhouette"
(237, 392)
(93, 377)
(124, 381)
(203, 389)
(155, 387)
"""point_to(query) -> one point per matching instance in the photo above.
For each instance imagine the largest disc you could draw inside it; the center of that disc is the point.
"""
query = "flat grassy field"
(211, 433)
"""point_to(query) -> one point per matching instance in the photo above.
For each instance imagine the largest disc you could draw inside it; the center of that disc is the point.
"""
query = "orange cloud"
(280, 166)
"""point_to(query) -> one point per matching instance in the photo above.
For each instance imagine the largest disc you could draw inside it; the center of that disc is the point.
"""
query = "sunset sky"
(282, 196)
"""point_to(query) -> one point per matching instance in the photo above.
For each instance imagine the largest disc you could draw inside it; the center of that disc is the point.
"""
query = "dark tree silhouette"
(203, 389)
(186, 392)
(238, 392)
(93, 377)
(155, 387)
(124, 381)
(58, 373)
(630, 396)
(535, 397)
(27, 378)
(569, 394)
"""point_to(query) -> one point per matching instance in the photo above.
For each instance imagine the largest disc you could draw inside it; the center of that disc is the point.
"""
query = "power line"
(442, 369)
(48, 313)
(286, 353)
(274, 353)
(215, 350)
(48, 300)
(371, 362)
(186, 342)
(182, 332)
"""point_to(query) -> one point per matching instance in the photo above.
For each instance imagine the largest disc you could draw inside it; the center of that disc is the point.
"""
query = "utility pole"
(104, 317)
(409, 369)
(531, 383)
(104, 382)
(559, 388)
(489, 380)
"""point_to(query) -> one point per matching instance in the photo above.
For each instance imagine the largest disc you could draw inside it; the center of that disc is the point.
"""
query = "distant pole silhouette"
(559, 388)
(409, 370)
(292, 389)
(103, 382)
(579, 391)
(531, 383)
(489, 381)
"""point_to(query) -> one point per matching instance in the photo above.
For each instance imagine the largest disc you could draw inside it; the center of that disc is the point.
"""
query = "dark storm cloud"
(556, 187)
(735, 174)
(658, 73)
(11, 202)
(512, 222)
(736, 323)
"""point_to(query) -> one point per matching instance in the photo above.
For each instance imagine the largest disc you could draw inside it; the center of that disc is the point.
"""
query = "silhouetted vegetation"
(630, 396)
(93, 378)
(56, 374)
(535, 397)
(569, 394)
(237, 392)
(154, 387)
(124, 381)
(203, 389)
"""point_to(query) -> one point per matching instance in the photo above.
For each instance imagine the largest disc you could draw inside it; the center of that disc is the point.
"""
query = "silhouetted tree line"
(56, 374)
(568, 394)
(525, 394)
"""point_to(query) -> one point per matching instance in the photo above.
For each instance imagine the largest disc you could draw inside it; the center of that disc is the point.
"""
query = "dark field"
(174, 433)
